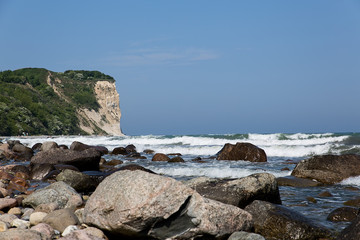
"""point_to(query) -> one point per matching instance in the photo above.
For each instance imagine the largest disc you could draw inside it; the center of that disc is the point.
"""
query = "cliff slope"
(37, 101)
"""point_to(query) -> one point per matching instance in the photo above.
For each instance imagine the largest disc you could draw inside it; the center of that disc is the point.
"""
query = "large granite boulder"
(278, 222)
(352, 232)
(59, 193)
(141, 205)
(79, 146)
(87, 160)
(238, 192)
(328, 169)
(242, 151)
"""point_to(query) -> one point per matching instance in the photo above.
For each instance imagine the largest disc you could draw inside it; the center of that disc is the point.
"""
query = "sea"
(283, 151)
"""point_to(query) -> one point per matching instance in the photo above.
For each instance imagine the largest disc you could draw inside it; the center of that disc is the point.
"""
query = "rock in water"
(328, 169)
(352, 232)
(87, 160)
(242, 151)
(138, 204)
(238, 192)
(278, 222)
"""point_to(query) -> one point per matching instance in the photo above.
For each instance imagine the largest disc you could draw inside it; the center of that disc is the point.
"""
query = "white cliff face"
(107, 118)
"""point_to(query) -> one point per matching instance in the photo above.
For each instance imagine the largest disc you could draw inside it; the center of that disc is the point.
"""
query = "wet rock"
(325, 194)
(78, 146)
(22, 234)
(149, 151)
(36, 147)
(311, 199)
(343, 214)
(242, 151)
(239, 192)
(62, 167)
(160, 157)
(46, 146)
(328, 169)
(353, 202)
(40, 170)
(60, 219)
(114, 162)
(86, 160)
(134, 167)
(176, 160)
(352, 232)
(130, 148)
(245, 236)
(59, 193)
(77, 180)
(148, 205)
(119, 151)
(278, 222)
(297, 182)
(22, 153)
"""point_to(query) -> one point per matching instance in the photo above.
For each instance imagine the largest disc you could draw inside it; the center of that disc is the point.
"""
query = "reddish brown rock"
(242, 151)
(328, 169)
(160, 157)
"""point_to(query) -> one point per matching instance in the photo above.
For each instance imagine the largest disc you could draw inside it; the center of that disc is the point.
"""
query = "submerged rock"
(297, 182)
(328, 169)
(160, 157)
(238, 192)
(138, 204)
(278, 222)
(242, 151)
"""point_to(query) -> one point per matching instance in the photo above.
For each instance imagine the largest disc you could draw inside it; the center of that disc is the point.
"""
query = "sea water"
(283, 152)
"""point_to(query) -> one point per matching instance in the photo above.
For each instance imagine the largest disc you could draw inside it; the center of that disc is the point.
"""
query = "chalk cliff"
(37, 101)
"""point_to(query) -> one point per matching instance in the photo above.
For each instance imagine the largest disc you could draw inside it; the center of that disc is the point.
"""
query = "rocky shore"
(52, 191)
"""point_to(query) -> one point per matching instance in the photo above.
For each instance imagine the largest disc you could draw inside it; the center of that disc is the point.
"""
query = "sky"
(200, 67)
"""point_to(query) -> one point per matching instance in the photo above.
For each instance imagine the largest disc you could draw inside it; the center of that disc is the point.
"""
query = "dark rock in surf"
(46, 146)
(328, 169)
(176, 160)
(87, 160)
(160, 157)
(297, 182)
(278, 222)
(78, 146)
(36, 147)
(238, 192)
(119, 151)
(131, 167)
(242, 151)
(130, 148)
(22, 152)
(343, 214)
(40, 170)
(352, 232)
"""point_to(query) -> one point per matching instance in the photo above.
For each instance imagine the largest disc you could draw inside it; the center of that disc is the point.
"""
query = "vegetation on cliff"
(37, 101)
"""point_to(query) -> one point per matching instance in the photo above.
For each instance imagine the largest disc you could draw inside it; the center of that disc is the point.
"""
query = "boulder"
(328, 169)
(242, 151)
(59, 193)
(36, 147)
(176, 159)
(160, 157)
(137, 204)
(46, 146)
(37, 217)
(344, 214)
(278, 222)
(86, 160)
(7, 203)
(40, 170)
(77, 180)
(22, 152)
(239, 192)
(351, 232)
(60, 219)
(119, 150)
(85, 234)
(297, 182)
(130, 148)
(78, 146)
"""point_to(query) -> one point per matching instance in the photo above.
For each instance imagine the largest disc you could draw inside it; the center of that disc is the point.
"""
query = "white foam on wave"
(210, 171)
(351, 181)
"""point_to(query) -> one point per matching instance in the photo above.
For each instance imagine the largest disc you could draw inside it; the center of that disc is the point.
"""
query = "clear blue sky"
(190, 67)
